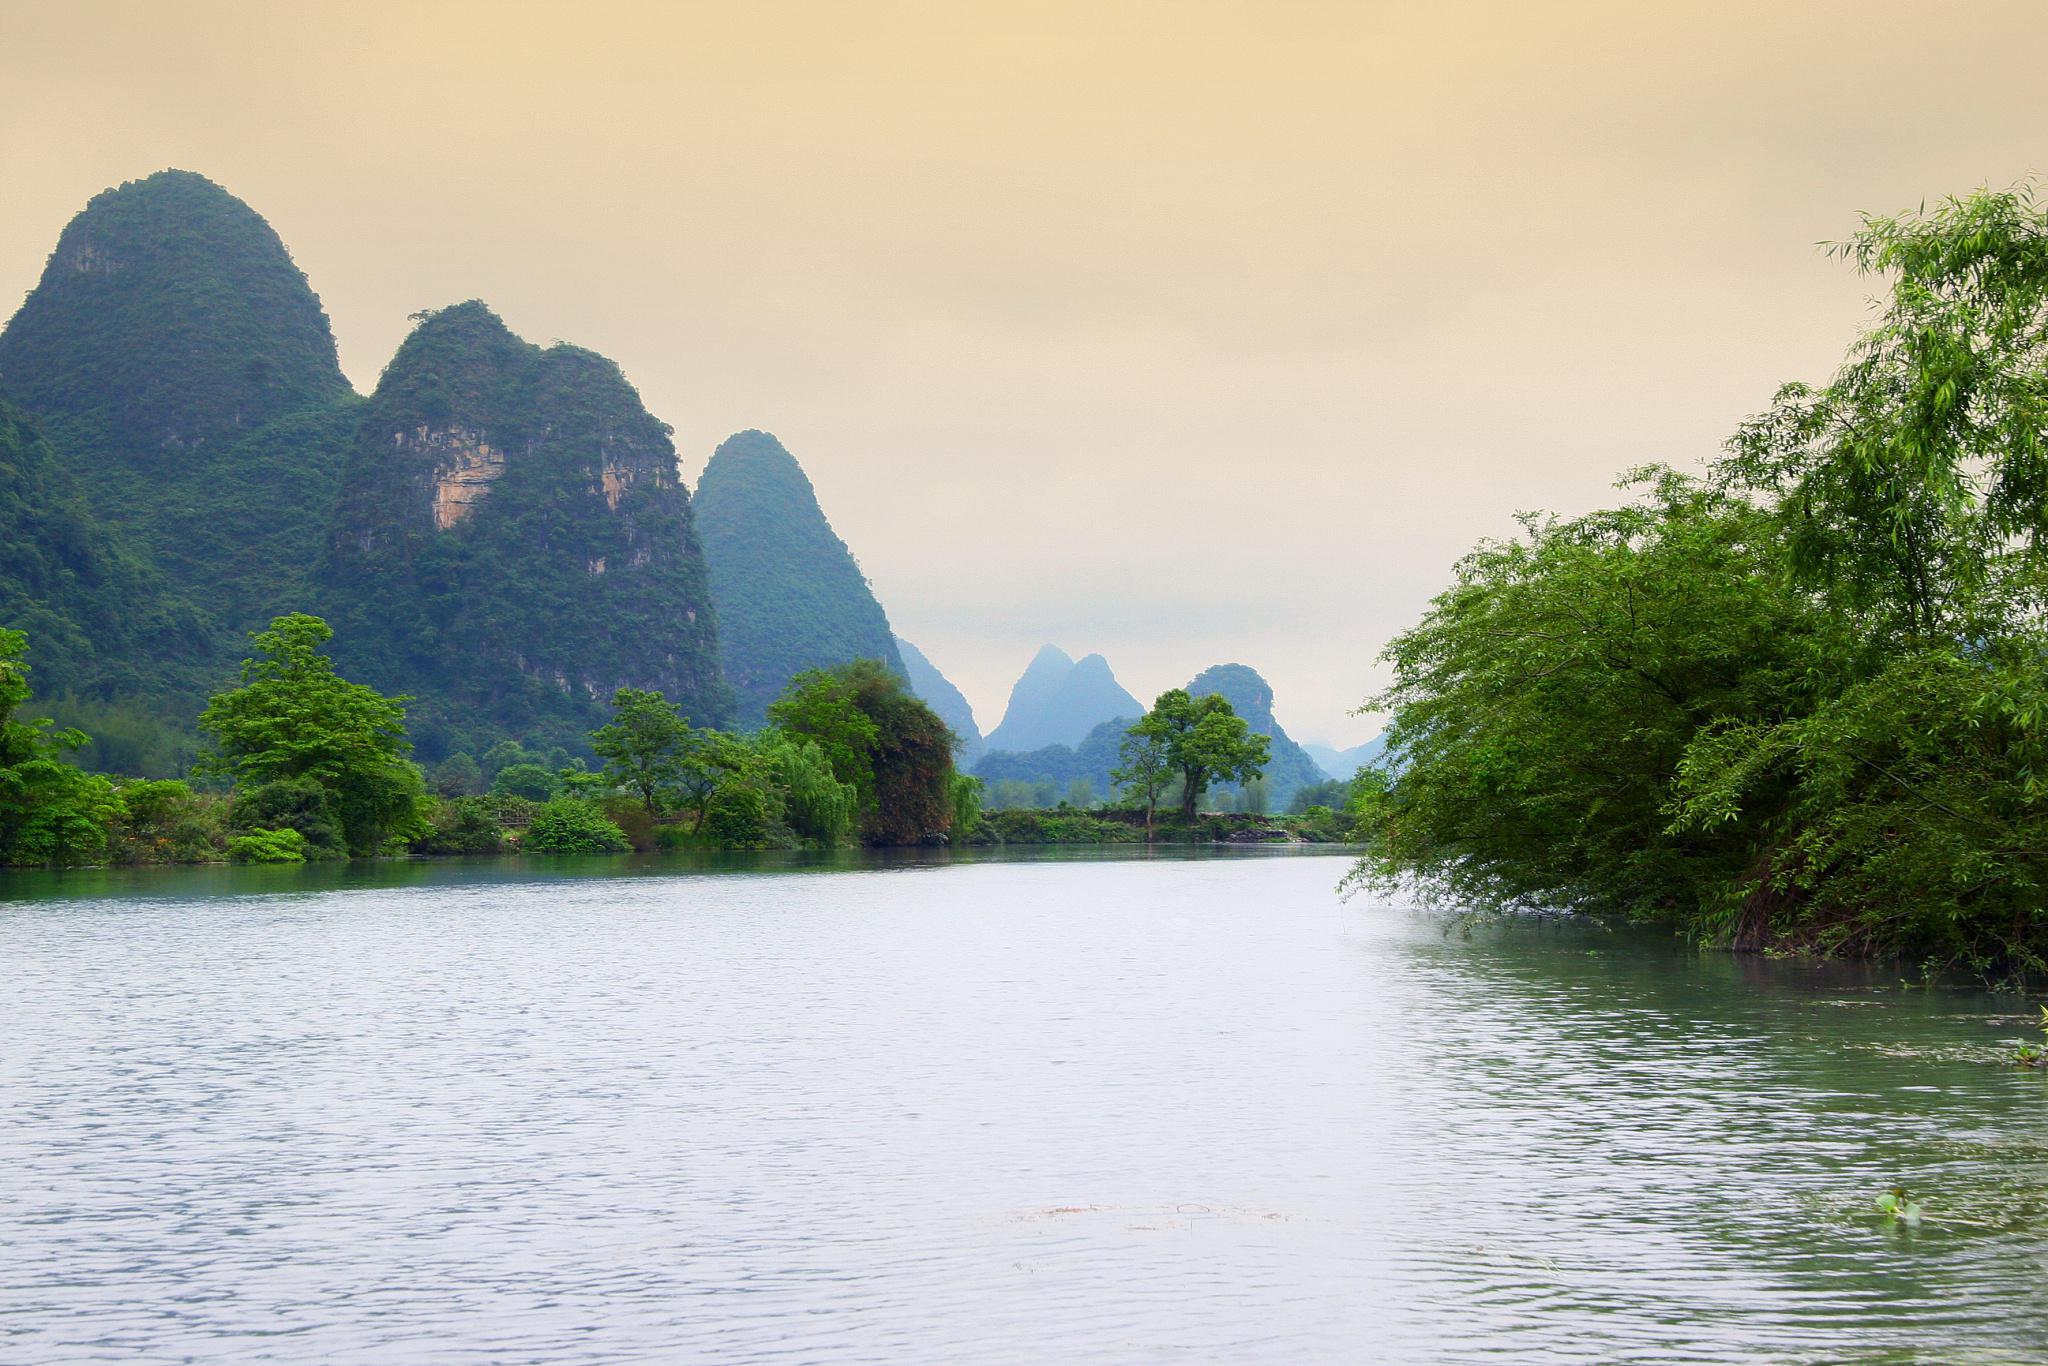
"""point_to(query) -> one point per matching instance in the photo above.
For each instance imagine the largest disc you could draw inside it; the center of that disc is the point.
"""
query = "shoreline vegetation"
(308, 766)
(1798, 703)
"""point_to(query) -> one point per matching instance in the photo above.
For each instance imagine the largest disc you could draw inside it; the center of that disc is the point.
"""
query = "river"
(1089, 1109)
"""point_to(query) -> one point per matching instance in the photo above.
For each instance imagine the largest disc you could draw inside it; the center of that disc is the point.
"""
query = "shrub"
(302, 804)
(167, 822)
(570, 825)
(466, 825)
(268, 846)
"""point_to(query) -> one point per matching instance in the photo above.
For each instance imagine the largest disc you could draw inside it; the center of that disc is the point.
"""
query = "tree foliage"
(294, 719)
(1801, 702)
(50, 811)
(891, 749)
(1204, 741)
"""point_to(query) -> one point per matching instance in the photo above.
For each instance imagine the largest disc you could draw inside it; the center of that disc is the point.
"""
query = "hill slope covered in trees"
(513, 543)
(183, 369)
(790, 594)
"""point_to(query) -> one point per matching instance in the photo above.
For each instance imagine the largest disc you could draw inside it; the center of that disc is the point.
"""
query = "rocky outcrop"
(514, 543)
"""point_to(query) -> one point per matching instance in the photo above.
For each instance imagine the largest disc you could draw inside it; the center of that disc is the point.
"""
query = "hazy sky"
(1187, 332)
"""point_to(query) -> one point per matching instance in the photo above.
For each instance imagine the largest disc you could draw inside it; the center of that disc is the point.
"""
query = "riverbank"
(1067, 825)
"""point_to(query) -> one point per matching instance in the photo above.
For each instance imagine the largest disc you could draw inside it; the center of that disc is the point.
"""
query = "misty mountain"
(1343, 763)
(937, 692)
(1058, 701)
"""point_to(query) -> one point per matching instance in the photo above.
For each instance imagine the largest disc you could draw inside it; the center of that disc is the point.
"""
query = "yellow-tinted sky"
(1183, 331)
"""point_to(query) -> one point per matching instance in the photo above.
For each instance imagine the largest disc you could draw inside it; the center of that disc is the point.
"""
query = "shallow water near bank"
(1093, 1108)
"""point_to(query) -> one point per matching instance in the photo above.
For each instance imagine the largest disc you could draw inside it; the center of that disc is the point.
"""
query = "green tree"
(824, 707)
(1143, 770)
(966, 794)
(645, 745)
(458, 775)
(817, 806)
(535, 782)
(294, 717)
(712, 760)
(1905, 483)
(50, 811)
(1204, 740)
(881, 740)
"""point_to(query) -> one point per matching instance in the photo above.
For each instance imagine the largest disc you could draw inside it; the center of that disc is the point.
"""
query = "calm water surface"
(1075, 1111)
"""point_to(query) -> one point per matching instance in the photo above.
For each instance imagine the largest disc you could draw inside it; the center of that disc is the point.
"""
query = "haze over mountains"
(1093, 753)
(1058, 700)
(498, 530)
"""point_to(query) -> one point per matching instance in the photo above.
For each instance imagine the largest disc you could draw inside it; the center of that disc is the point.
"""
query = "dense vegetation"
(1288, 766)
(306, 764)
(514, 544)
(790, 595)
(184, 376)
(936, 691)
(1798, 702)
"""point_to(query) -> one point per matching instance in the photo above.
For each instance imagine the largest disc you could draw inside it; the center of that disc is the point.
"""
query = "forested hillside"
(182, 368)
(790, 594)
(514, 543)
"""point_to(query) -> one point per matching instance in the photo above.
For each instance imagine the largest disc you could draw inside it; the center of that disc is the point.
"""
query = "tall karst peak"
(1058, 701)
(514, 543)
(181, 368)
(790, 594)
(169, 315)
(1288, 766)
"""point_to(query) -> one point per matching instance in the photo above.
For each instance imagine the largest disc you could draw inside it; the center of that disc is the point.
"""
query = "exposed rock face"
(466, 466)
(513, 543)
(790, 594)
(1058, 701)
(937, 692)
(1250, 696)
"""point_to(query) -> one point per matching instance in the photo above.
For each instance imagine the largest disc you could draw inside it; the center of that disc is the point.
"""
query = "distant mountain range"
(1344, 763)
(498, 531)
(1093, 754)
(1057, 701)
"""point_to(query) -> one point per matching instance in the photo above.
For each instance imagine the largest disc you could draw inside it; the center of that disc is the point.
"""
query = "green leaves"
(294, 718)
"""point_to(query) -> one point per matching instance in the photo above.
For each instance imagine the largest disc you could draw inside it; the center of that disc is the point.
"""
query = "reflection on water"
(1072, 1109)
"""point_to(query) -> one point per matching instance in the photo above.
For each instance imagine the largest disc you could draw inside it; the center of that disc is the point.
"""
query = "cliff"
(513, 543)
